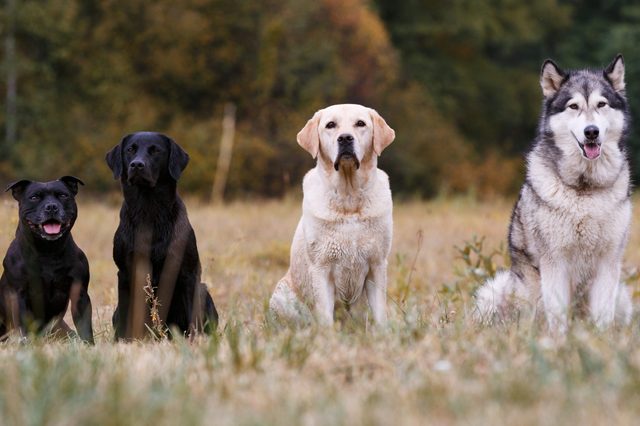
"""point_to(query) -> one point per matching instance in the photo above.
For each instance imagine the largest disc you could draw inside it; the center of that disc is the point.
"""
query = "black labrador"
(44, 269)
(154, 246)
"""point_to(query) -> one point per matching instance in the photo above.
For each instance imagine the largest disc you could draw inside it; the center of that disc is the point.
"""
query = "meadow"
(433, 365)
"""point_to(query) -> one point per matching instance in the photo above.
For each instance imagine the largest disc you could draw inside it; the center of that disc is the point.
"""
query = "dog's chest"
(587, 225)
(347, 248)
(347, 242)
(48, 284)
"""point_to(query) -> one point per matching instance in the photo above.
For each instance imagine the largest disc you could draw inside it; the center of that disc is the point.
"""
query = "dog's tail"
(494, 295)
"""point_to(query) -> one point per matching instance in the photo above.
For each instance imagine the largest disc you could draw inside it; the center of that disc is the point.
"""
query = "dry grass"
(433, 365)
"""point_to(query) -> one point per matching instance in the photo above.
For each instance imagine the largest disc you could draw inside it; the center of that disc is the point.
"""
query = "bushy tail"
(492, 297)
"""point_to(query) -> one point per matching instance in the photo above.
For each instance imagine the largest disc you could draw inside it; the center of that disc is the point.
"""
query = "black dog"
(44, 269)
(155, 243)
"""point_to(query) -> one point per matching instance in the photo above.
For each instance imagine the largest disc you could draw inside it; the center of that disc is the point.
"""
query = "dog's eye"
(152, 150)
(602, 104)
(63, 196)
(132, 148)
(35, 197)
(573, 106)
(360, 123)
(330, 125)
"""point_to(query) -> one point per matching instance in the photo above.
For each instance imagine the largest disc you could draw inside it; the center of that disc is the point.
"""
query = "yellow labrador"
(340, 248)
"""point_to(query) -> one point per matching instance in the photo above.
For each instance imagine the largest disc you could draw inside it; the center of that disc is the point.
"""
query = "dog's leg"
(325, 297)
(376, 288)
(121, 314)
(624, 306)
(556, 294)
(81, 311)
(603, 294)
(15, 308)
(286, 308)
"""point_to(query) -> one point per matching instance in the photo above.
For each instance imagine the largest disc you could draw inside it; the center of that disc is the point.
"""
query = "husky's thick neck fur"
(581, 138)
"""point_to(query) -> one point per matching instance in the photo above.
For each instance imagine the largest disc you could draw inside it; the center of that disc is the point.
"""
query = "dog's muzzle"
(346, 151)
(51, 228)
(592, 143)
(138, 174)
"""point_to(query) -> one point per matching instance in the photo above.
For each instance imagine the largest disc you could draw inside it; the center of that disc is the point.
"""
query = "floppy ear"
(308, 137)
(551, 78)
(178, 158)
(114, 157)
(72, 183)
(17, 188)
(383, 135)
(615, 73)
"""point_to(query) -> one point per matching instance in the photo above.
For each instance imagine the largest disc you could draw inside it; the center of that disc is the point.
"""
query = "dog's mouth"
(346, 158)
(137, 179)
(51, 229)
(591, 149)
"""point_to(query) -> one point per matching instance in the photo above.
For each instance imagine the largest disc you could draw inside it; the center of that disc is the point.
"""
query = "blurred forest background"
(456, 79)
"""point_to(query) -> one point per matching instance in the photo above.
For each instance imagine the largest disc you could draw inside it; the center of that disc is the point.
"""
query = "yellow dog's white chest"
(347, 242)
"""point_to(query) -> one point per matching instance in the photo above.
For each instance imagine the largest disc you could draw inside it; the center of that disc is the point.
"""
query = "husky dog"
(570, 224)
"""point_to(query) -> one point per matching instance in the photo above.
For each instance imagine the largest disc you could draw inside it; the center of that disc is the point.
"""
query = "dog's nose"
(591, 132)
(51, 208)
(345, 139)
(136, 164)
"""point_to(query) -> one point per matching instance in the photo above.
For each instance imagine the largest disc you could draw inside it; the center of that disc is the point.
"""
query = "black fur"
(40, 268)
(148, 165)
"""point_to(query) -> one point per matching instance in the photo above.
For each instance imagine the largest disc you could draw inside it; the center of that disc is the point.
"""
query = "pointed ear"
(551, 78)
(615, 73)
(17, 188)
(114, 157)
(72, 183)
(383, 135)
(178, 158)
(308, 137)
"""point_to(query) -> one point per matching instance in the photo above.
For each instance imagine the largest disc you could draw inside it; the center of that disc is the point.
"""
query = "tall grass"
(433, 365)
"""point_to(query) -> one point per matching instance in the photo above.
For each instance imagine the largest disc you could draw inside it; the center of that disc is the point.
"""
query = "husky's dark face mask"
(585, 110)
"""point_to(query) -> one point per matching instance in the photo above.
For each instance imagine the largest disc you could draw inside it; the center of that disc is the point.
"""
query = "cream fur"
(340, 247)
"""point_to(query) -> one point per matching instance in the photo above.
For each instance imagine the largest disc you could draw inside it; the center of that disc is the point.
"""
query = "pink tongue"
(52, 228)
(592, 150)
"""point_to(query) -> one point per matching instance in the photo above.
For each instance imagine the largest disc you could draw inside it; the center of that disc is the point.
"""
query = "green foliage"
(457, 80)
(478, 264)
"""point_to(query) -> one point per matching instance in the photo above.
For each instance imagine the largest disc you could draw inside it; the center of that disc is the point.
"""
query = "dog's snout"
(591, 132)
(345, 139)
(51, 208)
(136, 164)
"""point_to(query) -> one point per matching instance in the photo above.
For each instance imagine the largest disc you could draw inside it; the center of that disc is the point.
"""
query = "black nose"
(51, 208)
(591, 132)
(136, 164)
(345, 139)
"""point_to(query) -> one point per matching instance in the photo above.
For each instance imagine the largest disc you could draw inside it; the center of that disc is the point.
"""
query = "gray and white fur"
(570, 224)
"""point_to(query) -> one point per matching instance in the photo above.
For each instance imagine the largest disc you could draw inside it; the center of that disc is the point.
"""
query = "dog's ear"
(17, 188)
(308, 137)
(615, 73)
(72, 183)
(178, 158)
(551, 78)
(383, 135)
(114, 157)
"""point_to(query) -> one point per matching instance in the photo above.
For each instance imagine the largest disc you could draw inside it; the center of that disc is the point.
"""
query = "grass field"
(433, 365)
